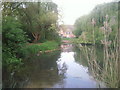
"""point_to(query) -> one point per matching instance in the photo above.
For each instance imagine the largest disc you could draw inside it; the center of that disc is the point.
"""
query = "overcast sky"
(73, 9)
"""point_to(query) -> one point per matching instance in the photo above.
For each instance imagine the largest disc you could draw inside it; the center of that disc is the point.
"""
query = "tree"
(38, 18)
(83, 24)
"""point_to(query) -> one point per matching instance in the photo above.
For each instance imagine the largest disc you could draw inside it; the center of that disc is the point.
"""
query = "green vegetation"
(91, 27)
(31, 28)
(27, 28)
(37, 48)
(101, 27)
(40, 21)
(14, 39)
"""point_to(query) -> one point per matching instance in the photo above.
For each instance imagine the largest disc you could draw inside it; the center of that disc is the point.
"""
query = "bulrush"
(93, 22)
(106, 42)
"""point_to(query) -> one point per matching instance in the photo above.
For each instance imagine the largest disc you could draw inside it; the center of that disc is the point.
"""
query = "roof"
(67, 27)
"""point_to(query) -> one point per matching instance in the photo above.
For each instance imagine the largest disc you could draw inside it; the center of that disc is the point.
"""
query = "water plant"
(107, 72)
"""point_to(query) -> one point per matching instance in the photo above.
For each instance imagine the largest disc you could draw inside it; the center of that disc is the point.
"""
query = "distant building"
(66, 31)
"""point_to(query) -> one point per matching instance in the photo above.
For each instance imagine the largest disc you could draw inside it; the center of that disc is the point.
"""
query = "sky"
(73, 9)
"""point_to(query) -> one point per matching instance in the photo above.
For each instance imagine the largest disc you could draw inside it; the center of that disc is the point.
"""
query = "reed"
(108, 71)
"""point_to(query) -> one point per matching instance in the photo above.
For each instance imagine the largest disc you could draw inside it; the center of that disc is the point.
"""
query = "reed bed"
(107, 72)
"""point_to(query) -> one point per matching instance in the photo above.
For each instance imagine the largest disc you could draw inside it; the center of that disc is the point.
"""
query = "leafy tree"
(38, 18)
(13, 39)
(84, 23)
(13, 36)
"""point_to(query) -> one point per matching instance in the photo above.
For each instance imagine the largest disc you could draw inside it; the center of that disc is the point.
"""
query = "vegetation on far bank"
(76, 41)
(90, 28)
(37, 48)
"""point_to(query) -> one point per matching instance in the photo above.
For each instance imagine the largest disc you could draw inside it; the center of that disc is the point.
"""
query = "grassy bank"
(42, 47)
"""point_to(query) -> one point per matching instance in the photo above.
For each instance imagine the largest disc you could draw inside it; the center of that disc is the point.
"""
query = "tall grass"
(108, 71)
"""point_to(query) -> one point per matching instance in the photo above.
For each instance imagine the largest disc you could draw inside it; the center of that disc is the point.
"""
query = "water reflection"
(76, 75)
(44, 72)
(60, 69)
(66, 47)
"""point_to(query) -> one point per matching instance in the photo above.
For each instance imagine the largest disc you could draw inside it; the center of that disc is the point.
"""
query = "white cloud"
(73, 9)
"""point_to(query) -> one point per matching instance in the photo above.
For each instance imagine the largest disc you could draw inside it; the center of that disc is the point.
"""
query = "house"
(66, 31)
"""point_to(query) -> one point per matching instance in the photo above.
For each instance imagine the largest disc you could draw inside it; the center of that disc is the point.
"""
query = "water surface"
(66, 68)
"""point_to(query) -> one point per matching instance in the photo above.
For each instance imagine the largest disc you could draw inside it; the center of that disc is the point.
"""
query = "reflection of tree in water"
(80, 57)
(102, 69)
(62, 69)
(39, 72)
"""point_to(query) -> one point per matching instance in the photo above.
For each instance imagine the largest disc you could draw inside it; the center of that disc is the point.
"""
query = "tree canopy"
(99, 13)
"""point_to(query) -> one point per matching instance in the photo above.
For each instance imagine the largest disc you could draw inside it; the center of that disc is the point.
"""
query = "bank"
(45, 47)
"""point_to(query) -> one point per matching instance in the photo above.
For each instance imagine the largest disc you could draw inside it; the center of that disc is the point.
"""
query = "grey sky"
(73, 9)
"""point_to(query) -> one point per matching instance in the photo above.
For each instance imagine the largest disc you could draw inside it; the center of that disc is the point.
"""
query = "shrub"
(12, 63)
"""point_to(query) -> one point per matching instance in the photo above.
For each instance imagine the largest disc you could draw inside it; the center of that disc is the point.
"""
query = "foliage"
(13, 36)
(84, 23)
(38, 18)
(14, 39)
(12, 63)
(103, 31)
(23, 22)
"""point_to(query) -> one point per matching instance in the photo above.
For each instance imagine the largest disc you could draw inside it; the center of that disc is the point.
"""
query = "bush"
(14, 38)
(12, 63)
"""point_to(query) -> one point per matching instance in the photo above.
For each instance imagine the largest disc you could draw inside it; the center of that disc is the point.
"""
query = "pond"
(66, 68)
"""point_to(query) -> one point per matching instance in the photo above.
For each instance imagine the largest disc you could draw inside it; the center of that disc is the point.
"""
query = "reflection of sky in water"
(76, 75)
(60, 69)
